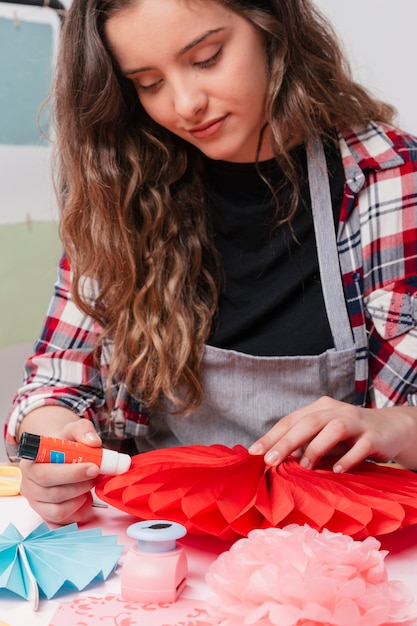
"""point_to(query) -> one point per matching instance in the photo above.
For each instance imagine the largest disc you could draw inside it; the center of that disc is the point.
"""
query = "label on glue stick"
(56, 457)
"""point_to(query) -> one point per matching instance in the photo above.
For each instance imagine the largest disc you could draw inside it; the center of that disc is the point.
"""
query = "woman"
(209, 152)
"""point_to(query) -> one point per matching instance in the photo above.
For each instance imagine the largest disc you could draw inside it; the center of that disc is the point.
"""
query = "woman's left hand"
(347, 432)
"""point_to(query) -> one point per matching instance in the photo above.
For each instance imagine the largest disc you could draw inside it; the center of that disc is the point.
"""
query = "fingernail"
(272, 457)
(305, 462)
(338, 469)
(91, 436)
(92, 471)
(256, 448)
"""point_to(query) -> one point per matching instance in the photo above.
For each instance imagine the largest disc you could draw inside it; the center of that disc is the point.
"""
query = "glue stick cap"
(113, 462)
(28, 446)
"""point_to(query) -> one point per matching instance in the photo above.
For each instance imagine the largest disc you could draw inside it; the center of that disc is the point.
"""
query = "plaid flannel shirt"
(377, 246)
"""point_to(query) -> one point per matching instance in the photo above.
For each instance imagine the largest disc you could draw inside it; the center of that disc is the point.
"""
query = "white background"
(380, 39)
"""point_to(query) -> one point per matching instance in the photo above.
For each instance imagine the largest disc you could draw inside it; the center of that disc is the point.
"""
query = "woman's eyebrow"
(183, 50)
(198, 40)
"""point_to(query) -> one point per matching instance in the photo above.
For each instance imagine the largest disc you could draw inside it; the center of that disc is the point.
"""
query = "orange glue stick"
(43, 449)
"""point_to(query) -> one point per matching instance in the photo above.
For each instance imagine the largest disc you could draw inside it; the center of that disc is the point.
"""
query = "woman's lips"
(203, 131)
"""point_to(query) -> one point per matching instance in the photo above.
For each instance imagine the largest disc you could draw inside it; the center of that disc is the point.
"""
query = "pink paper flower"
(298, 576)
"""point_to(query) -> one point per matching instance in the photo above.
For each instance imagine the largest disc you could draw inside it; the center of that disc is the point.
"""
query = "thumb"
(83, 431)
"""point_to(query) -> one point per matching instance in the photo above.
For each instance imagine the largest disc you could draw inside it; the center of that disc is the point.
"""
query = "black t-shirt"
(272, 302)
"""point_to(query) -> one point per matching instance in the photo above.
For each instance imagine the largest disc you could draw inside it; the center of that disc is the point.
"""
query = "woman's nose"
(190, 99)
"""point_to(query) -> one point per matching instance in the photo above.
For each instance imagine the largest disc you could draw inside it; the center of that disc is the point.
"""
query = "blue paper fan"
(47, 560)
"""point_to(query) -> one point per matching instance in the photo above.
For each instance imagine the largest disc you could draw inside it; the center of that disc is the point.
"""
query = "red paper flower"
(296, 576)
(227, 492)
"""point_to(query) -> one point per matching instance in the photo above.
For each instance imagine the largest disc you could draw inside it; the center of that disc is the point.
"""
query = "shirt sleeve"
(389, 245)
(392, 324)
(63, 370)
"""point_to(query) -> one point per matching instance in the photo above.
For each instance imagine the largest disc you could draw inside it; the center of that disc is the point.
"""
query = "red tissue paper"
(226, 492)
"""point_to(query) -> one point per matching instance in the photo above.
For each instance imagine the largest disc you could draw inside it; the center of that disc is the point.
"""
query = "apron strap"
(328, 257)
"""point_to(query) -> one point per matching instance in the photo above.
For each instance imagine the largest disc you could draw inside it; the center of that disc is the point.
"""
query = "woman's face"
(199, 70)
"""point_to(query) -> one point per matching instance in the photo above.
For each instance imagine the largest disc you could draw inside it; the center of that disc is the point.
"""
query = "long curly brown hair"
(133, 203)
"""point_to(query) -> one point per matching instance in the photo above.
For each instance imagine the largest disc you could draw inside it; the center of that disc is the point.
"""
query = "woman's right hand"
(61, 493)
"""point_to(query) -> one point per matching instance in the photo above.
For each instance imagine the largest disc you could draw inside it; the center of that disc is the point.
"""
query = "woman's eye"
(150, 87)
(210, 61)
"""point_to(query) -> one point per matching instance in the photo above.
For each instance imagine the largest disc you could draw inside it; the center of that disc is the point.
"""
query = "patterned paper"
(112, 610)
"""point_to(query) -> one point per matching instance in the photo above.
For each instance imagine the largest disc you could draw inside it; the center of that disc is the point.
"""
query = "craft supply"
(42, 449)
(226, 492)
(112, 610)
(10, 479)
(46, 560)
(155, 568)
(297, 575)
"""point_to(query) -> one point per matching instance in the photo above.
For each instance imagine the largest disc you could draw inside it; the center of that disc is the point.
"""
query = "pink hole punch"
(155, 569)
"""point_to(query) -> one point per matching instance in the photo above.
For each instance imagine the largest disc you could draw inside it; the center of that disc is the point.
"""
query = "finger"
(284, 425)
(83, 431)
(299, 436)
(334, 432)
(53, 474)
(276, 433)
(358, 452)
(69, 511)
(55, 494)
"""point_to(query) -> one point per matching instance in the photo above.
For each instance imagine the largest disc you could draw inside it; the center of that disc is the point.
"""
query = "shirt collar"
(364, 149)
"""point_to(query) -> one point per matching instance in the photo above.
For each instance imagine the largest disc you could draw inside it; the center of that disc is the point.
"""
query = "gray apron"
(245, 395)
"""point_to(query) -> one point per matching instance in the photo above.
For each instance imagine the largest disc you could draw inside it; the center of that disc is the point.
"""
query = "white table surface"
(16, 611)
(401, 562)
